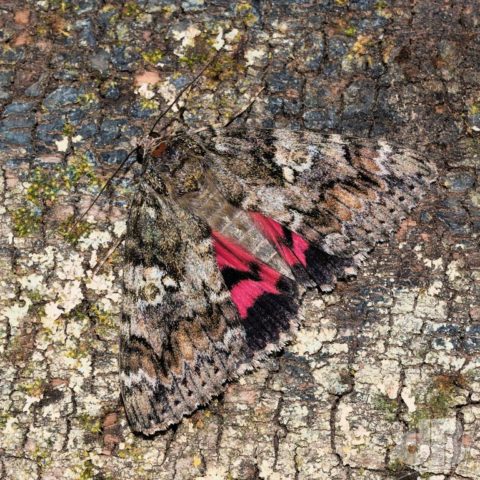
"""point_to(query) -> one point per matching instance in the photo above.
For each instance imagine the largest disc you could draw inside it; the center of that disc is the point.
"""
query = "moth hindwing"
(224, 229)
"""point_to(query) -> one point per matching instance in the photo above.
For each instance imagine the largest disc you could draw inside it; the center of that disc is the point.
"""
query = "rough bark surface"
(383, 381)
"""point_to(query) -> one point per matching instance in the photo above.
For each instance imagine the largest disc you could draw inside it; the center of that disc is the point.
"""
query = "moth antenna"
(106, 184)
(124, 161)
(241, 112)
(173, 120)
(235, 116)
(110, 252)
(184, 89)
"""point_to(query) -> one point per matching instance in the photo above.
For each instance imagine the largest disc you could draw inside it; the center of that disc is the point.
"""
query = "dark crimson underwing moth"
(227, 228)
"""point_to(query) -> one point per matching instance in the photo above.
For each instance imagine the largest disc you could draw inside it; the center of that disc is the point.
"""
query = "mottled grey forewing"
(180, 334)
(343, 194)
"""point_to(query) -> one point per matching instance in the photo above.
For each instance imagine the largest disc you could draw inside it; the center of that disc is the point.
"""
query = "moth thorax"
(210, 205)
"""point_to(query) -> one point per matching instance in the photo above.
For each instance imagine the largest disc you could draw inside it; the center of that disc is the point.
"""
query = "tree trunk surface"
(383, 379)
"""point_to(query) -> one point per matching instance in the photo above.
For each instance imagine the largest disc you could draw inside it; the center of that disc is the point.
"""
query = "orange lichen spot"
(58, 382)
(23, 39)
(110, 420)
(148, 77)
(22, 17)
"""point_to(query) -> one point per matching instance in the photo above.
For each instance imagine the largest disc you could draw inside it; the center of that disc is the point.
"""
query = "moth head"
(177, 160)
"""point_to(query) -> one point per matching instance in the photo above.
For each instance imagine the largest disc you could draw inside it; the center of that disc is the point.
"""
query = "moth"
(227, 228)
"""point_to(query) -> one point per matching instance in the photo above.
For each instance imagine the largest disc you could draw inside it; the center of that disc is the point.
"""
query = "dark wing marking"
(265, 299)
(310, 264)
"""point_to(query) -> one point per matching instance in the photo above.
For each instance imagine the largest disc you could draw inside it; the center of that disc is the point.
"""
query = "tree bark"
(383, 379)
